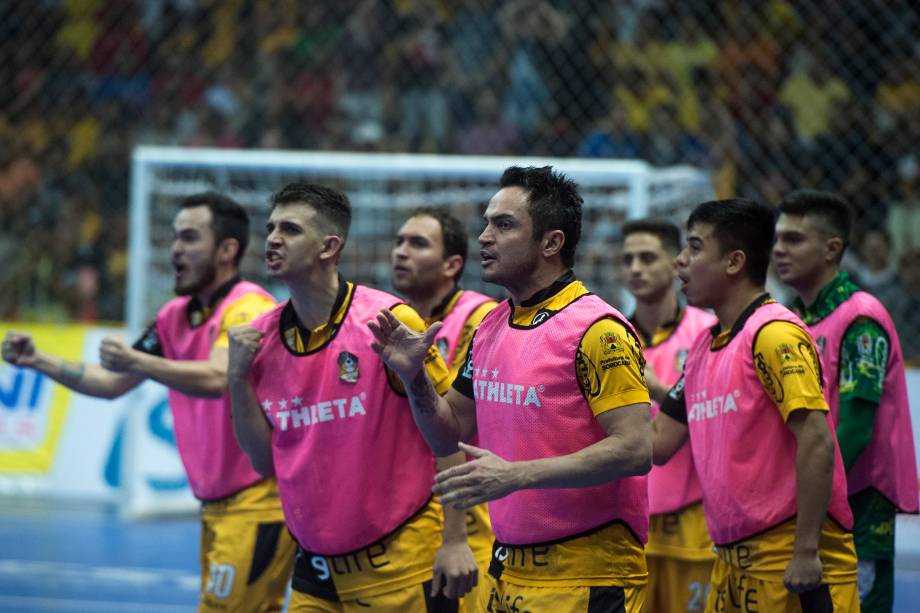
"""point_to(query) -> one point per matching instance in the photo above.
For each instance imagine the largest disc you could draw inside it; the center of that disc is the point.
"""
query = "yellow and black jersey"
(443, 311)
(608, 347)
(301, 340)
(786, 361)
(240, 312)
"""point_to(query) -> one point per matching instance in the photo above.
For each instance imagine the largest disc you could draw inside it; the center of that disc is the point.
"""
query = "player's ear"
(227, 250)
(332, 247)
(833, 249)
(453, 265)
(553, 240)
(735, 261)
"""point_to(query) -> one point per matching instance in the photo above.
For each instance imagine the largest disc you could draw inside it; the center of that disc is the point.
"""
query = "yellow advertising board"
(33, 408)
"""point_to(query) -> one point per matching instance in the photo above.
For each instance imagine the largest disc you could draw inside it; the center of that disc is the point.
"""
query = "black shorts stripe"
(439, 603)
(264, 552)
(817, 600)
(606, 599)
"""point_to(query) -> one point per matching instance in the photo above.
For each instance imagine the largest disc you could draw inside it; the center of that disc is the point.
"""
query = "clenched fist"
(19, 349)
(245, 342)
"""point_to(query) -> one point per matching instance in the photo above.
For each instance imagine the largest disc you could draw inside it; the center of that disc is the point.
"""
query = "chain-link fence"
(767, 96)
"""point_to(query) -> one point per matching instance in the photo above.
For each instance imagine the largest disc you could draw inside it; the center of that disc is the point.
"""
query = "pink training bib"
(888, 463)
(529, 406)
(743, 451)
(351, 465)
(448, 336)
(676, 485)
(214, 462)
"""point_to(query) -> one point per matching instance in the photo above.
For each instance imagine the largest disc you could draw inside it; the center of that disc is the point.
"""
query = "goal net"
(383, 188)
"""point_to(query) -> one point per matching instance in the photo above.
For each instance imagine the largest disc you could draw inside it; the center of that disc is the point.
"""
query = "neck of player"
(735, 300)
(221, 277)
(523, 289)
(314, 297)
(810, 290)
(651, 315)
(424, 304)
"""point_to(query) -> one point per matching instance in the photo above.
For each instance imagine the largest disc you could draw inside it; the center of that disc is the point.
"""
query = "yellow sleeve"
(610, 367)
(434, 363)
(788, 368)
(466, 335)
(242, 311)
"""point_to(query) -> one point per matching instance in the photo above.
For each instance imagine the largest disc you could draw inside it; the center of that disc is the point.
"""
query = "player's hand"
(19, 349)
(401, 349)
(455, 571)
(803, 573)
(245, 342)
(485, 477)
(116, 355)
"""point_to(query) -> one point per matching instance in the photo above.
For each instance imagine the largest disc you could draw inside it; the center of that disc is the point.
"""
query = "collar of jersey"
(721, 339)
(829, 298)
(564, 291)
(450, 300)
(203, 312)
(663, 332)
(292, 330)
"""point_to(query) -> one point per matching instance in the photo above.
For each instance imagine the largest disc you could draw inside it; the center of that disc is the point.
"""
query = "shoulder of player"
(408, 316)
(774, 333)
(607, 335)
(480, 312)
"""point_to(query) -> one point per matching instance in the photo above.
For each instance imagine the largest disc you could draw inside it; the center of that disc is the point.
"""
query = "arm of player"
(455, 571)
(668, 435)
(90, 379)
(814, 474)
(202, 378)
(626, 451)
(669, 428)
(443, 421)
(252, 430)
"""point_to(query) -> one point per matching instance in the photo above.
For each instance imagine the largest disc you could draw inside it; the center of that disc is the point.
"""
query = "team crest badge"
(441, 344)
(785, 353)
(348, 367)
(610, 342)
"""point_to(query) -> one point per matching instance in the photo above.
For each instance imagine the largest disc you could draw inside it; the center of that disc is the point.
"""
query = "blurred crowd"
(766, 95)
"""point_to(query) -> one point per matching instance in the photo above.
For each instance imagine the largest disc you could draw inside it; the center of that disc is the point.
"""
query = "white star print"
(495, 373)
(282, 404)
(267, 405)
(296, 400)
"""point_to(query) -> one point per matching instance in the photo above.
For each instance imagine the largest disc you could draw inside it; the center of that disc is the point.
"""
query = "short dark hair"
(228, 219)
(331, 205)
(553, 202)
(668, 233)
(453, 234)
(833, 209)
(740, 224)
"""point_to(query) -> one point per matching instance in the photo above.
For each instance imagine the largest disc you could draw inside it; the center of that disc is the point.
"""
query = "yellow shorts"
(748, 575)
(676, 586)
(402, 560)
(479, 535)
(246, 552)
(679, 557)
(409, 599)
(498, 596)
(735, 591)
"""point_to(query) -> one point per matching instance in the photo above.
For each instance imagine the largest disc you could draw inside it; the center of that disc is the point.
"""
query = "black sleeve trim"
(463, 382)
(149, 342)
(674, 404)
